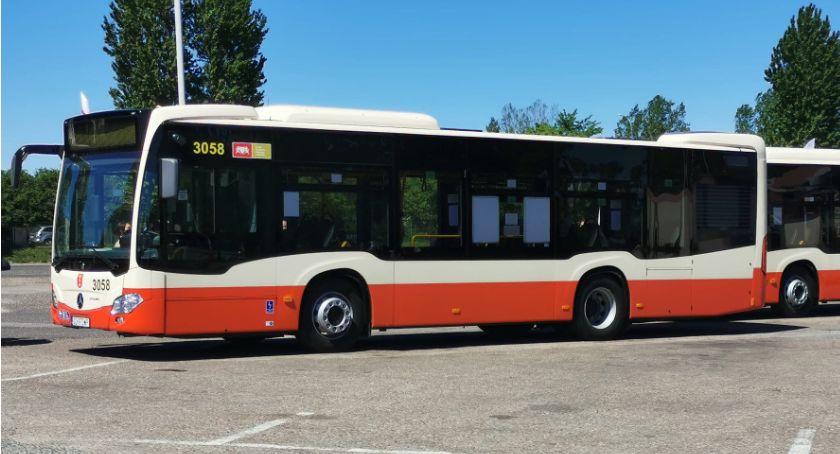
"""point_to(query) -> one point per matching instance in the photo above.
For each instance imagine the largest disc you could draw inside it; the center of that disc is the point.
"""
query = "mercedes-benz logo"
(80, 301)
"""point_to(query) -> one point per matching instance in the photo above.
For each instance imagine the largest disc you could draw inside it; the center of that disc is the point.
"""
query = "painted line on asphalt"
(64, 371)
(228, 442)
(289, 447)
(803, 441)
(30, 325)
(252, 431)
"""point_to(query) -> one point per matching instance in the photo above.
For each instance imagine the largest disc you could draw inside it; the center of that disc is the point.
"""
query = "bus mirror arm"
(168, 177)
(26, 150)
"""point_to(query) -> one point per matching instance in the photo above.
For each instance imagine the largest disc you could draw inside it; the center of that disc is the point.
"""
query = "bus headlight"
(124, 304)
(54, 298)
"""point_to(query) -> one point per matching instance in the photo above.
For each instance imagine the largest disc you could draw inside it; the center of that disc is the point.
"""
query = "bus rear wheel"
(600, 311)
(332, 317)
(798, 294)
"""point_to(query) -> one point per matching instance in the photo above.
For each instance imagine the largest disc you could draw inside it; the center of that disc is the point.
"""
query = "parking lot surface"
(750, 383)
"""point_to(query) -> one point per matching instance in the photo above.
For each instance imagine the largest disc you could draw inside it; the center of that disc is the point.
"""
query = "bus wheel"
(508, 330)
(332, 317)
(600, 309)
(797, 295)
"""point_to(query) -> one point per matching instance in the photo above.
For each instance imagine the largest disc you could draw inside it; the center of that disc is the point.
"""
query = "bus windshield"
(93, 216)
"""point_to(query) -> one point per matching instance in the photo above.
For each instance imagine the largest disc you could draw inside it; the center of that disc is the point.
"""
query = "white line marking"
(305, 413)
(803, 441)
(288, 448)
(252, 431)
(30, 325)
(64, 371)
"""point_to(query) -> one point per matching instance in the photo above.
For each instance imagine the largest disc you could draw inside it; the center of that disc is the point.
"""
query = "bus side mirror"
(168, 177)
(26, 150)
(14, 172)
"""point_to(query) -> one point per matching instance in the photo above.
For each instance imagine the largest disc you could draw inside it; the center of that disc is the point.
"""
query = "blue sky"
(457, 61)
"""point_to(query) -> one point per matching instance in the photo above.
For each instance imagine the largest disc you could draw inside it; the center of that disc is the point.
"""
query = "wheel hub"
(332, 315)
(600, 307)
(796, 292)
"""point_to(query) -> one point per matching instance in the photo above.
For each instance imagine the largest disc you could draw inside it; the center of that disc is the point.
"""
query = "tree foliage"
(222, 59)
(803, 101)
(226, 38)
(517, 120)
(745, 118)
(659, 117)
(568, 124)
(32, 202)
(539, 118)
(493, 125)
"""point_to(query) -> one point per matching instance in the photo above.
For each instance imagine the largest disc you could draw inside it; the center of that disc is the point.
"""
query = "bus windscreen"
(102, 133)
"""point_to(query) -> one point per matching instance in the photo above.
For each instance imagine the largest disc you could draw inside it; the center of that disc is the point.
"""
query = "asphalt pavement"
(750, 383)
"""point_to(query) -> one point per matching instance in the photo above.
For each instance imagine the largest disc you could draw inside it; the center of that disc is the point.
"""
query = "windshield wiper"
(108, 262)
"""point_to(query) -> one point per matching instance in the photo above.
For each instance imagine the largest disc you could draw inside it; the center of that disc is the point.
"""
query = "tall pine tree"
(803, 101)
(226, 37)
(222, 59)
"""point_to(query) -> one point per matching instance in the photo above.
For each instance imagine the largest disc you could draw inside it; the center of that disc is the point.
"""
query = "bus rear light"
(124, 304)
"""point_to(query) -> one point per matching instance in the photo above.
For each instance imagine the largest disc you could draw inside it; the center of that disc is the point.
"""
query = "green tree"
(32, 202)
(223, 64)
(517, 120)
(140, 37)
(539, 118)
(226, 37)
(493, 126)
(803, 101)
(745, 119)
(659, 117)
(568, 124)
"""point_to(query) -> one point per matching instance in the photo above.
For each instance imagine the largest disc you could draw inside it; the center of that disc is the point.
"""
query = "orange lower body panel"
(231, 310)
(691, 298)
(830, 285)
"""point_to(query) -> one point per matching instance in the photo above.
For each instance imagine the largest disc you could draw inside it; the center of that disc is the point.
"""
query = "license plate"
(80, 322)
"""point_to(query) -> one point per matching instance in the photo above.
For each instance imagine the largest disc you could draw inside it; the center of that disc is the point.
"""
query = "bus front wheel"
(798, 294)
(332, 317)
(600, 311)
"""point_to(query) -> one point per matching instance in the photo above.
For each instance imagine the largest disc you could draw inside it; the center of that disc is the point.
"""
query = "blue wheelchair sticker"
(269, 306)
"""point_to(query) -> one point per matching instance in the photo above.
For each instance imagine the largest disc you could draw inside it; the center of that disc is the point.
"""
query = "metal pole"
(179, 51)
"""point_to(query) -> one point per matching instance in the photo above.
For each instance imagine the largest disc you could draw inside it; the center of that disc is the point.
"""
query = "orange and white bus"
(208, 220)
(803, 261)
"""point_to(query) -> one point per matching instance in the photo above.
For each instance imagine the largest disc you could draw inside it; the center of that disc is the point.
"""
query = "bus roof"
(373, 121)
(780, 155)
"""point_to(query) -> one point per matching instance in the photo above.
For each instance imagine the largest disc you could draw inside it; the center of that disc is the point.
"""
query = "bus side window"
(430, 210)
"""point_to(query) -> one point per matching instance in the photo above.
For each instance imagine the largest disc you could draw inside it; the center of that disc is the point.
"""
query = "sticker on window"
(249, 150)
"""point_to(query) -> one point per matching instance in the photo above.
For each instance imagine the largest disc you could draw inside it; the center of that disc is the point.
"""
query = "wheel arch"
(611, 271)
(608, 270)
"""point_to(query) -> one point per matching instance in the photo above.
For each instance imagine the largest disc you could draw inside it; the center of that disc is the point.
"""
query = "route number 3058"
(211, 148)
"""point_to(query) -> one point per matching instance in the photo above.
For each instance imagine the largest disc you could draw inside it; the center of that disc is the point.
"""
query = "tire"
(332, 317)
(797, 295)
(601, 309)
(507, 330)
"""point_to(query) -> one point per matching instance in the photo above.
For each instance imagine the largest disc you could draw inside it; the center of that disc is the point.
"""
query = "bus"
(803, 259)
(324, 223)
